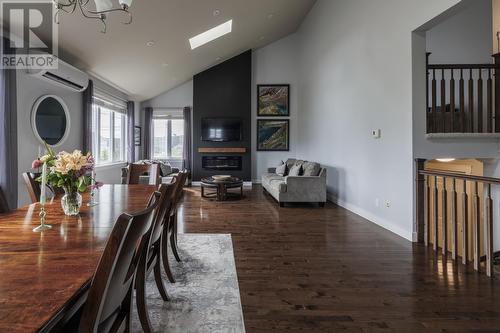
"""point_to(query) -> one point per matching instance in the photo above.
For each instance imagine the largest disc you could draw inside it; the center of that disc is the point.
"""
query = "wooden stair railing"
(461, 97)
(428, 210)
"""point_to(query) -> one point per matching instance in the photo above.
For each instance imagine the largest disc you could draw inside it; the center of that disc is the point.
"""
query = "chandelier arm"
(62, 9)
(60, 4)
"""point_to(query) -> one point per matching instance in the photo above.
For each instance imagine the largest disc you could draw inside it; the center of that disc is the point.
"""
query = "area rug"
(205, 297)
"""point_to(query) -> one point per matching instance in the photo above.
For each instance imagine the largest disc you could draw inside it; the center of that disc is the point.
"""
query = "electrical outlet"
(376, 133)
(387, 204)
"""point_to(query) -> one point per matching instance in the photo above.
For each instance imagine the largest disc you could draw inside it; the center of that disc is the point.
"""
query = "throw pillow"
(165, 168)
(281, 170)
(290, 162)
(295, 170)
(311, 169)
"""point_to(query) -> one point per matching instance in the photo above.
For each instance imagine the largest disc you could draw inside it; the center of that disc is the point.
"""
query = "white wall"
(356, 75)
(276, 63)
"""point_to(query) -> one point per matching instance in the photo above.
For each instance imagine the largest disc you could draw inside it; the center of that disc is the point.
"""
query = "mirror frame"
(33, 118)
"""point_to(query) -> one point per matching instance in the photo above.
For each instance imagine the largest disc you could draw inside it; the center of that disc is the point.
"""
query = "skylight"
(210, 35)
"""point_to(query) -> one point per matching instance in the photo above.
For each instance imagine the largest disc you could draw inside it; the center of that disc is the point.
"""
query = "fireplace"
(222, 163)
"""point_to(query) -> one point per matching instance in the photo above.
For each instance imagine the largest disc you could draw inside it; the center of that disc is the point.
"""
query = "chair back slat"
(135, 171)
(164, 207)
(181, 180)
(108, 303)
(32, 185)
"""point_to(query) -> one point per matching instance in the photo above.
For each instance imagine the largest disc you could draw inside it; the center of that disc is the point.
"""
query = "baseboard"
(384, 223)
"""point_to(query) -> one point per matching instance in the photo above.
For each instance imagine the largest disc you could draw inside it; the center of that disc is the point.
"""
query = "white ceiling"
(122, 58)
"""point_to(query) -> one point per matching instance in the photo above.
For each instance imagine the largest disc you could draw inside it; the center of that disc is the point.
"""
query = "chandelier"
(102, 8)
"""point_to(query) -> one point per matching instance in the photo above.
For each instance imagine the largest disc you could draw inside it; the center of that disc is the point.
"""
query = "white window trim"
(168, 118)
(97, 137)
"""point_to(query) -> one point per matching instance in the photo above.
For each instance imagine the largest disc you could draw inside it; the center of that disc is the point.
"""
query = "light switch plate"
(376, 133)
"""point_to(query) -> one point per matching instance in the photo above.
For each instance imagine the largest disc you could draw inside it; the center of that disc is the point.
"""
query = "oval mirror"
(50, 120)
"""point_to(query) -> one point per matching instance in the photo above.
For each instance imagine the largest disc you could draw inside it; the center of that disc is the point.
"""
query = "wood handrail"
(481, 179)
(462, 66)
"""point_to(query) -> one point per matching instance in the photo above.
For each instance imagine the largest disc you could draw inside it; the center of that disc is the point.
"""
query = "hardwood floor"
(309, 269)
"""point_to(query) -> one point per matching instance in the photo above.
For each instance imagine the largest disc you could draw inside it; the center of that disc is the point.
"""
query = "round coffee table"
(221, 187)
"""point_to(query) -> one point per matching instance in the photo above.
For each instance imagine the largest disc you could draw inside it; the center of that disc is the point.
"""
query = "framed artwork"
(137, 135)
(273, 135)
(273, 100)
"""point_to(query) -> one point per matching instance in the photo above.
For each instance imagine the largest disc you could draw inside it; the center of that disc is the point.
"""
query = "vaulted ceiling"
(122, 57)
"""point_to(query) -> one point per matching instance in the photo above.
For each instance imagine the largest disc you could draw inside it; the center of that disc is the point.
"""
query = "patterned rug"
(205, 297)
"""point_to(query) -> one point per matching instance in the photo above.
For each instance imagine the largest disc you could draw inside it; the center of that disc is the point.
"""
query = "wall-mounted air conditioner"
(65, 76)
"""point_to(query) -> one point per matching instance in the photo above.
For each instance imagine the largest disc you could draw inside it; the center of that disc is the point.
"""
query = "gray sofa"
(289, 189)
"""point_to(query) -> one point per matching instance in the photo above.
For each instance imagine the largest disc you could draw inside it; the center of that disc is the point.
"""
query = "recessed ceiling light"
(445, 160)
(218, 58)
(270, 16)
(262, 37)
(211, 34)
(150, 43)
(216, 12)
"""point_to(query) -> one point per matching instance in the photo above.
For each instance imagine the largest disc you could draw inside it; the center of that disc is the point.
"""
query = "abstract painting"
(273, 135)
(273, 100)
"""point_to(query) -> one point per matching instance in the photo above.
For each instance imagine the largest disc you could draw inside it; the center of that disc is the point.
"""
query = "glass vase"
(71, 203)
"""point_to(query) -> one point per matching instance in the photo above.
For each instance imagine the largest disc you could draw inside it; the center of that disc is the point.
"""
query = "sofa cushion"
(311, 169)
(295, 170)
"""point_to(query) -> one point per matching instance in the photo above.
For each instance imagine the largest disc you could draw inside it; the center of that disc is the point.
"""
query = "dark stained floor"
(308, 269)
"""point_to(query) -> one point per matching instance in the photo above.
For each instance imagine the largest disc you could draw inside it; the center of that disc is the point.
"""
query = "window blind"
(173, 113)
(106, 100)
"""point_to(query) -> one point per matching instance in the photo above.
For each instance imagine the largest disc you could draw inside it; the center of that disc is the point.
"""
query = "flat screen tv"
(221, 129)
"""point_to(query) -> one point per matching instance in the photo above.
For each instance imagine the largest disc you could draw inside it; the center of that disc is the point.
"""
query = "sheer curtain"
(186, 163)
(8, 134)
(87, 99)
(130, 132)
(148, 122)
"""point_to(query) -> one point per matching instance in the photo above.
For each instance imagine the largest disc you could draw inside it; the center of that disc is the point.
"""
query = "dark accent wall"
(224, 91)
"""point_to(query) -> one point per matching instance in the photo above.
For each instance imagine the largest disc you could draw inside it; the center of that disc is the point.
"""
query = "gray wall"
(276, 63)
(29, 89)
(355, 76)
(464, 38)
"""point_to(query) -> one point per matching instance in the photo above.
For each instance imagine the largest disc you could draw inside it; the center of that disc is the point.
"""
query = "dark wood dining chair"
(108, 305)
(135, 171)
(4, 205)
(32, 185)
(170, 233)
(151, 256)
(34, 188)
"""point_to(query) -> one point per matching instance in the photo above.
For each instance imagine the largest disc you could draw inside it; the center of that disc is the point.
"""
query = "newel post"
(420, 199)
(497, 92)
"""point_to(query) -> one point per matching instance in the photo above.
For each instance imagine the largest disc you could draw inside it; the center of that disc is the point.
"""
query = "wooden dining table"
(44, 276)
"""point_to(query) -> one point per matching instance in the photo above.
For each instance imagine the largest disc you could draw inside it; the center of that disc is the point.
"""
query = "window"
(109, 133)
(168, 138)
